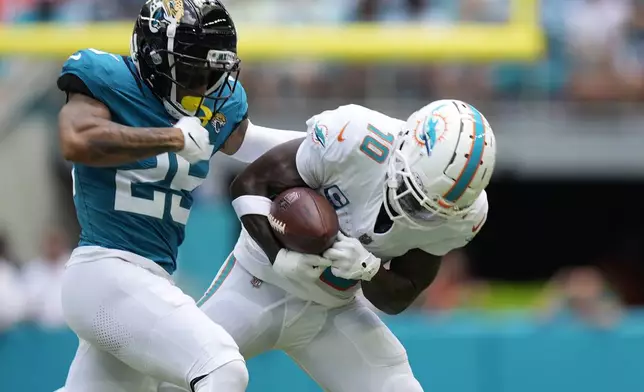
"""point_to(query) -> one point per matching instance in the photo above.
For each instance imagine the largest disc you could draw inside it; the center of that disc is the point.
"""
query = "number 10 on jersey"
(377, 144)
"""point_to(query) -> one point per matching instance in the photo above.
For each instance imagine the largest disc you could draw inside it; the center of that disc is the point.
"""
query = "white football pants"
(135, 327)
(345, 349)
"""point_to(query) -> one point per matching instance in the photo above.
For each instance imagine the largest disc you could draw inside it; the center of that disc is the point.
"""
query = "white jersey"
(344, 157)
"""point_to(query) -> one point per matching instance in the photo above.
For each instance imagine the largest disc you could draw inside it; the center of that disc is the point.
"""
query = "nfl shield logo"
(365, 239)
(256, 282)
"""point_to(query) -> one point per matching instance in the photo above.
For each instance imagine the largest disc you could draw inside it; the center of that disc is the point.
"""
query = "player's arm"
(245, 141)
(272, 173)
(89, 136)
(269, 175)
(393, 290)
(302, 162)
(249, 141)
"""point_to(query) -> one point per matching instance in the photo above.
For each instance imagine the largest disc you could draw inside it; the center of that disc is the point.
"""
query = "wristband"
(252, 205)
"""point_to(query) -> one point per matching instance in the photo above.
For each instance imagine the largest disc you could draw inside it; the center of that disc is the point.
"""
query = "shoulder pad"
(338, 130)
(95, 68)
(231, 114)
(465, 229)
(479, 213)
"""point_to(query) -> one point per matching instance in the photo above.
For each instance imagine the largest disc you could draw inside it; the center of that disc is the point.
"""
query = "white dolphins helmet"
(443, 159)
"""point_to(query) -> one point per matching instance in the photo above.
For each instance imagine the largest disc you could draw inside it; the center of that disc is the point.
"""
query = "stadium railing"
(458, 352)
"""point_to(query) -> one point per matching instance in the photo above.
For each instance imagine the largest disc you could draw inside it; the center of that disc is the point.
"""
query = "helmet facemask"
(194, 79)
(407, 202)
(186, 53)
(440, 165)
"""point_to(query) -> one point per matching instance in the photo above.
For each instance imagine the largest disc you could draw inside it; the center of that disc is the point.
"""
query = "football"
(304, 221)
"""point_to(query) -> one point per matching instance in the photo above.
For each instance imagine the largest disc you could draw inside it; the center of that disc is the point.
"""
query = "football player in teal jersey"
(140, 131)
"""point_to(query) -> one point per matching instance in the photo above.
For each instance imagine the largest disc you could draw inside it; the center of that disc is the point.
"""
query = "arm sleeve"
(71, 83)
(259, 140)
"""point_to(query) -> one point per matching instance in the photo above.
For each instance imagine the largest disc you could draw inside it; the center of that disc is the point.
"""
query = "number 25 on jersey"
(377, 145)
(162, 198)
(157, 192)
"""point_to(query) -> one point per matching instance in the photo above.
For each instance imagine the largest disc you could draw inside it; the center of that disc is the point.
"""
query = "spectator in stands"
(544, 78)
(633, 55)
(581, 293)
(596, 42)
(13, 300)
(454, 286)
(42, 277)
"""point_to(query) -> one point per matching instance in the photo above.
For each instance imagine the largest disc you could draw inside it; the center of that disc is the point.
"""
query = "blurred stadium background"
(544, 299)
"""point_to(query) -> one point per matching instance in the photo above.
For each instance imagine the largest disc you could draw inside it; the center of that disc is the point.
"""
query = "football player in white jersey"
(405, 193)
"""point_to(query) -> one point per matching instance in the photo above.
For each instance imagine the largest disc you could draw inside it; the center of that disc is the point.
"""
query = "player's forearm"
(105, 143)
(257, 226)
(268, 176)
(260, 230)
(258, 140)
(390, 292)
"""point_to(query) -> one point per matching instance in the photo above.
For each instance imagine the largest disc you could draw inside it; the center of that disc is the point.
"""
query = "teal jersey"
(141, 207)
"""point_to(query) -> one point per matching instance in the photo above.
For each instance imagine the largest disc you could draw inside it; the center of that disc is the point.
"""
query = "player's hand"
(350, 260)
(299, 266)
(196, 140)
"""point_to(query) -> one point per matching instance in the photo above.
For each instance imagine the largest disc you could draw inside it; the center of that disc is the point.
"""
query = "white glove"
(299, 266)
(196, 140)
(350, 260)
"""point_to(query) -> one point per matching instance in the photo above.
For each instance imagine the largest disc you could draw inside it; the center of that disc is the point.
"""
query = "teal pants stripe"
(219, 279)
